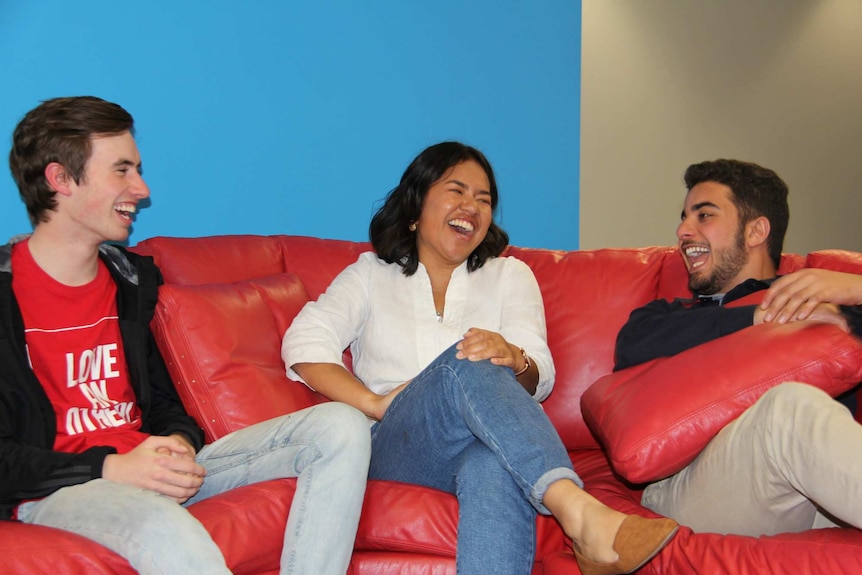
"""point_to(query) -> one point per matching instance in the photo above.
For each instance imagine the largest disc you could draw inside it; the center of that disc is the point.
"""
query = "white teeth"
(127, 208)
(694, 251)
(463, 224)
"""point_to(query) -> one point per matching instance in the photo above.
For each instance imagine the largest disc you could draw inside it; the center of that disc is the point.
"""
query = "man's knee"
(346, 429)
(787, 399)
(787, 408)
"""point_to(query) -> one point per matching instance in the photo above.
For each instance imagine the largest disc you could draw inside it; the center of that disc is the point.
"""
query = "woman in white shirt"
(450, 360)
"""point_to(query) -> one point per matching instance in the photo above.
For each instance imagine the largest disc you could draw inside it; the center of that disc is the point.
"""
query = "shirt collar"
(747, 287)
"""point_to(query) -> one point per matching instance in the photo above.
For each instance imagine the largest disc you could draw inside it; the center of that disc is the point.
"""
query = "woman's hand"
(338, 384)
(479, 344)
(384, 401)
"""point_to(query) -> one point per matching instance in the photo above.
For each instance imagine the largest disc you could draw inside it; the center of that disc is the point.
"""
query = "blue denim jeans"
(470, 429)
(326, 447)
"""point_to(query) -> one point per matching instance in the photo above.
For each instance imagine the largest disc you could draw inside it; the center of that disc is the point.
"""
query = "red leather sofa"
(227, 301)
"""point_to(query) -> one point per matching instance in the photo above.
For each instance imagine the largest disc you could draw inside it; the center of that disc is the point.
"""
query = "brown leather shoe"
(637, 541)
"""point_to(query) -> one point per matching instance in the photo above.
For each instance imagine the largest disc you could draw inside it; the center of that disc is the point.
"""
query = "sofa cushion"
(247, 523)
(588, 296)
(26, 549)
(411, 518)
(317, 261)
(836, 260)
(214, 259)
(654, 418)
(222, 343)
(232, 258)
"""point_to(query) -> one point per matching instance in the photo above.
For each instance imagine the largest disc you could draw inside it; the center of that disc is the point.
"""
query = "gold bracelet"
(527, 362)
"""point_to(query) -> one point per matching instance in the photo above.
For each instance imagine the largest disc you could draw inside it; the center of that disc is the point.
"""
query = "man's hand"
(162, 464)
(187, 451)
(479, 344)
(797, 296)
(829, 313)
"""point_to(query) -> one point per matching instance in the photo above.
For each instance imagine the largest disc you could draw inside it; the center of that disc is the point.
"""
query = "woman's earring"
(412, 226)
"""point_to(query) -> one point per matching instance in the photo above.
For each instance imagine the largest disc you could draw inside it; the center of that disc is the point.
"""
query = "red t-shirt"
(75, 349)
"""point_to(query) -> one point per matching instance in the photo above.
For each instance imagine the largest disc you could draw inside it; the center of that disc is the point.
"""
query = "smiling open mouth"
(461, 226)
(696, 255)
(127, 210)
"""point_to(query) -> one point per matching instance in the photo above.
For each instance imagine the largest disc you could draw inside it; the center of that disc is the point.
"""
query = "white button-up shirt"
(390, 323)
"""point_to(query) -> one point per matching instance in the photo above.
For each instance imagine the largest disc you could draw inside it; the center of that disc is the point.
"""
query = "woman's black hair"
(390, 231)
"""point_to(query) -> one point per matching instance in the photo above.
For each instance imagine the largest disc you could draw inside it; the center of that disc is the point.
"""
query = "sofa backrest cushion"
(588, 296)
(317, 261)
(214, 259)
(226, 259)
(836, 260)
(222, 345)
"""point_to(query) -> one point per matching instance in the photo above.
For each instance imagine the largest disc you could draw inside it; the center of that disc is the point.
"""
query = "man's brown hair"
(59, 130)
(757, 191)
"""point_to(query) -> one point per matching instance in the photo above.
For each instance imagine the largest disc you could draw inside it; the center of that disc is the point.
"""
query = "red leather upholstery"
(28, 549)
(228, 299)
(654, 418)
(584, 313)
(836, 260)
(222, 345)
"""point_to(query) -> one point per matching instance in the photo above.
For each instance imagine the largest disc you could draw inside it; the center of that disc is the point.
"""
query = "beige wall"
(666, 83)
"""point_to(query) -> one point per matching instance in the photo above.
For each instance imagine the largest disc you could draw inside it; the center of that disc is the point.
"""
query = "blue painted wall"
(297, 117)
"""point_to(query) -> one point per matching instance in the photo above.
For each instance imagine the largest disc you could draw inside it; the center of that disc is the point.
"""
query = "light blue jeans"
(326, 447)
(470, 429)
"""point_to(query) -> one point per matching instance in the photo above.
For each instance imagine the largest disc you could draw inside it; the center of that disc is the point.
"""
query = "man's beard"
(726, 265)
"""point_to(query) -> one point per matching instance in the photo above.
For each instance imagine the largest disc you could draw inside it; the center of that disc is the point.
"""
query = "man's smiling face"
(101, 205)
(711, 240)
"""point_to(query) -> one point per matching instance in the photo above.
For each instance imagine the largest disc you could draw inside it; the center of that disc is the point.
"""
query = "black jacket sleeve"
(853, 313)
(163, 411)
(167, 414)
(663, 329)
(30, 472)
(29, 467)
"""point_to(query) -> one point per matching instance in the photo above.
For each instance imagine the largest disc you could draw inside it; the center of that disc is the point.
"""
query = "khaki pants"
(791, 462)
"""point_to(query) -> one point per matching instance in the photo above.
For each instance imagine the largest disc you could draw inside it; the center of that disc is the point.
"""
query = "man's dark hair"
(756, 191)
(59, 130)
(389, 230)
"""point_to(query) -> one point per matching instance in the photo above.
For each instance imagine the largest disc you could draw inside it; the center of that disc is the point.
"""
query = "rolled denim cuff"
(538, 492)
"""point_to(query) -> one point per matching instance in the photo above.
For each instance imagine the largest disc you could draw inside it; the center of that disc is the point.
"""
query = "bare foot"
(596, 539)
(591, 525)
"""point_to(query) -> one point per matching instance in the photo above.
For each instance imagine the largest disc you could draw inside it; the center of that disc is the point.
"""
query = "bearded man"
(793, 460)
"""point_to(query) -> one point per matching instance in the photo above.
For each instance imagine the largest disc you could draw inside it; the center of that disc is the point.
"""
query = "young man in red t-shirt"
(93, 437)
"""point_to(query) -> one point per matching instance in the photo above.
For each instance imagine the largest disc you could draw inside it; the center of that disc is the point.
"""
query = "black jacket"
(29, 467)
(663, 329)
